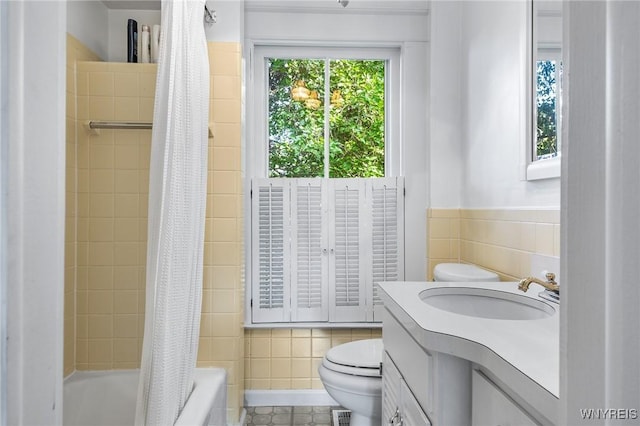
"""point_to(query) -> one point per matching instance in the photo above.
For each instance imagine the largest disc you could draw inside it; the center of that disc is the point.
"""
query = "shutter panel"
(386, 224)
(346, 269)
(309, 290)
(271, 252)
(319, 247)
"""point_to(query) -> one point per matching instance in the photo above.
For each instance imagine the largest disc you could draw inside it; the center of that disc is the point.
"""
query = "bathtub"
(108, 398)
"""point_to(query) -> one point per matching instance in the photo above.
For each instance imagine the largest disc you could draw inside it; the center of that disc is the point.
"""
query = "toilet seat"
(359, 358)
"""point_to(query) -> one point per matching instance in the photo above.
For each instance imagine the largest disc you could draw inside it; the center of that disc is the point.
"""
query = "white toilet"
(351, 375)
(463, 273)
(351, 372)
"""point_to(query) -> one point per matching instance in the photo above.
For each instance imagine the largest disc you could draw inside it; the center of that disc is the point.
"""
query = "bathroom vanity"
(469, 354)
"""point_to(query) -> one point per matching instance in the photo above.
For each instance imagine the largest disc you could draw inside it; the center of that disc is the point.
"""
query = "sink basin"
(486, 303)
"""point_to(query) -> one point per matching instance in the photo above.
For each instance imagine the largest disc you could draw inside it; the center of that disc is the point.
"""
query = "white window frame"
(547, 168)
(259, 153)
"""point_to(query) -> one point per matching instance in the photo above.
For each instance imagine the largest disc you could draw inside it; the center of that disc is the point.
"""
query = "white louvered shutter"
(346, 240)
(385, 221)
(309, 284)
(270, 250)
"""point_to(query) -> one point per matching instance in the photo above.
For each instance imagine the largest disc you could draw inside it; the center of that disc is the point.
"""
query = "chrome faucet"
(550, 284)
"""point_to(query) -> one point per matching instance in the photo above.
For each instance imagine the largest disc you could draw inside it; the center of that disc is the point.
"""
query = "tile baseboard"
(293, 397)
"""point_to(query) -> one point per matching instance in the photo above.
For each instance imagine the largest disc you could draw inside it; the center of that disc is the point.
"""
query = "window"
(543, 150)
(326, 117)
(548, 108)
(346, 124)
(327, 207)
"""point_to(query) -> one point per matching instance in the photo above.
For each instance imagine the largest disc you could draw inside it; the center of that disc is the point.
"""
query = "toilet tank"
(462, 272)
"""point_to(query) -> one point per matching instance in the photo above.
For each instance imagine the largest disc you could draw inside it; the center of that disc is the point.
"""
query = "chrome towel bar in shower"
(119, 125)
(94, 126)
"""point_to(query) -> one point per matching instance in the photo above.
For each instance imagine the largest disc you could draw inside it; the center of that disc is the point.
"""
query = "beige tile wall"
(500, 240)
(112, 176)
(287, 358)
(113, 180)
(222, 333)
(76, 52)
(443, 230)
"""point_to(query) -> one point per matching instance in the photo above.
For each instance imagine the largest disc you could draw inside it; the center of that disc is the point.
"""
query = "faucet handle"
(551, 277)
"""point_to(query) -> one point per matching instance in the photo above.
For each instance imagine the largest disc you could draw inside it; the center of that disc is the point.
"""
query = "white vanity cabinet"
(491, 406)
(438, 384)
(466, 370)
(399, 406)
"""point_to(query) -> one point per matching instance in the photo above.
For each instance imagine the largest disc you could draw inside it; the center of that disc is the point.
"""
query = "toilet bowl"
(351, 375)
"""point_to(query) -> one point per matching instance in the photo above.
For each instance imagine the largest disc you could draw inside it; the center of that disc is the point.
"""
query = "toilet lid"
(361, 354)
(461, 272)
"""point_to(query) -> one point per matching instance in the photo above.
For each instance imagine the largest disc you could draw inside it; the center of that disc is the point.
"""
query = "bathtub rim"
(205, 383)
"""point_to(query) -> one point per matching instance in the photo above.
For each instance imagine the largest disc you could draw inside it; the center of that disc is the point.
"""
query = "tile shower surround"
(107, 187)
(76, 52)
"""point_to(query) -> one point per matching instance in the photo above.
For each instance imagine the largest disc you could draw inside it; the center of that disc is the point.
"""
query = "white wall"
(492, 121)
(600, 212)
(228, 27)
(328, 21)
(105, 30)
(230, 24)
(445, 111)
(4, 210)
(33, 158)
(117, 24)
(87, 21)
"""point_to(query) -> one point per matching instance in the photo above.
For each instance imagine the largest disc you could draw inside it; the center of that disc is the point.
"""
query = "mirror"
(546, 80)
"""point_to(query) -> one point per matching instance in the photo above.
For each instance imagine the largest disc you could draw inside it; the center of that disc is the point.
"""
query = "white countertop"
(524, 354)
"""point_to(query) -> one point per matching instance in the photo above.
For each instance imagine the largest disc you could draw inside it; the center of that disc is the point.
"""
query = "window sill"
(315, 325)
(544, 169)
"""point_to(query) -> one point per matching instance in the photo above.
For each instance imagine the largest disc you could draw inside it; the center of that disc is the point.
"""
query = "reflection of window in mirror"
(548, 103)
(546, 52)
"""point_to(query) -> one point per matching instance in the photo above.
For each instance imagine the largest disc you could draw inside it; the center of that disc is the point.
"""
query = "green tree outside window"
(356, 119)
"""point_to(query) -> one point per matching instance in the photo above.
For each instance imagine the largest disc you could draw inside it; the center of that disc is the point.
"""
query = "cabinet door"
(399, 406)
(412, 414)
(492, 407)
(391, 380)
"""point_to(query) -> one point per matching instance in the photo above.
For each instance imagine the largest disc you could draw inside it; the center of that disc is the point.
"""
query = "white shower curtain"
(177, 199)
